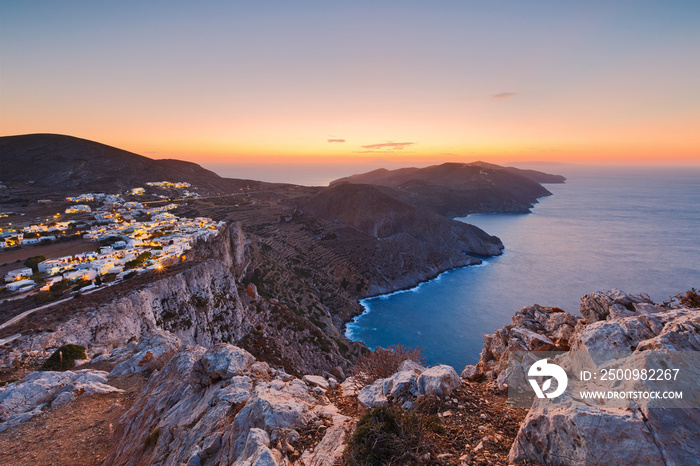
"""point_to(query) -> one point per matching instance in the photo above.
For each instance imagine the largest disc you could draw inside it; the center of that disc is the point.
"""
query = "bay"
(631, 228)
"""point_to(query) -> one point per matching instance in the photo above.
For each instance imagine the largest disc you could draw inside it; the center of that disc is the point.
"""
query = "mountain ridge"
(457, 189)
(67, 163)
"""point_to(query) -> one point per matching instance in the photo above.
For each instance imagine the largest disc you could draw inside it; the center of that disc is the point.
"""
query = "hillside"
(66, 164)
(458, 189)
(395, 244)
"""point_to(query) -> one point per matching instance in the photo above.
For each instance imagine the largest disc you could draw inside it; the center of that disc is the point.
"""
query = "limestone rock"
(470, 372)
(373, 396)
(151, 353)
(330, 450)
(573, 433)
(438, 380)
(401, 386)
(221, 362)
(618, 431)
(533, 328)
(215, 406)
(316, 381)
(599, 305)
(411, 365)
(411, 381)
(349, 387)
(256, 451)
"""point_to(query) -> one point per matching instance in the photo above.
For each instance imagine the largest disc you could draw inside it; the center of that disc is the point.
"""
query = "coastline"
(348, 331)
(352, 323)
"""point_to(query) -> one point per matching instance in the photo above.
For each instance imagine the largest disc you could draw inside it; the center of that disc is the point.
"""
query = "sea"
(636, 229)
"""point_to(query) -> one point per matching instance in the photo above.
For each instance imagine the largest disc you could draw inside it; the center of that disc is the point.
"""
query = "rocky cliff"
(601, 431)
(202, 304)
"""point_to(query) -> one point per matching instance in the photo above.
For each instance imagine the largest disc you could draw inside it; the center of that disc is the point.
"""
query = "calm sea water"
(636, 229)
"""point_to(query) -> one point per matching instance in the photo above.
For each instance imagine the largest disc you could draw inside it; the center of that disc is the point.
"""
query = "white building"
(80, 274)
(18, 274)
(51, 267)
(78, 208)
(20, 285)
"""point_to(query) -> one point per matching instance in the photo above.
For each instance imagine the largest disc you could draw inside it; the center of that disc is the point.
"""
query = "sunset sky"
(341, 82)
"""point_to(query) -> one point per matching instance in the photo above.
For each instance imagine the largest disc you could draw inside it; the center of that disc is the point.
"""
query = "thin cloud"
(336, 140)
(388, 145)
(504, 95)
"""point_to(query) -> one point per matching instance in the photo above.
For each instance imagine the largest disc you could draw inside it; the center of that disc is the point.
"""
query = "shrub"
(64, 358)
(139, 261)
(59, 288)
(382, 363)
(81, 283)
(690, 298)
(389, 435)
(33, 263)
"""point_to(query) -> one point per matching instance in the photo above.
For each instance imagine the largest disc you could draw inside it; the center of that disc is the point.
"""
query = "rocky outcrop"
(438, 380)
(25, 399)
(408, 383)
(572, 430)
(533, 328)
(221, 406)
(601, 305)
(149, 354)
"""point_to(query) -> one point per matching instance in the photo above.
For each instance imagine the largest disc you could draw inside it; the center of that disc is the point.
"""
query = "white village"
(131, 238)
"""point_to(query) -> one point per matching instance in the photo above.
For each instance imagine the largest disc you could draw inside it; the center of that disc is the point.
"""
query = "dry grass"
(690, 298)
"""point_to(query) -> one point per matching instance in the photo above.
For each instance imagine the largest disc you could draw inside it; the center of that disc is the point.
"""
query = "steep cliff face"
(200, 305)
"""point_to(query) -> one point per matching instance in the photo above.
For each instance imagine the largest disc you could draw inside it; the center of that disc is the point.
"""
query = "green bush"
(64, 358)
(33, 263)
(139, 261)
(390, 435)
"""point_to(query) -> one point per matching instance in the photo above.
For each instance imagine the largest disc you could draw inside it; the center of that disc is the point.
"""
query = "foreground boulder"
(220, 406)
(408, 383)
(22, 400)
(150, 353)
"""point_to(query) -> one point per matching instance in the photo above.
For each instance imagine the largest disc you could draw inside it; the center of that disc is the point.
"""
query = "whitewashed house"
(20, 285)
(18, 274)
